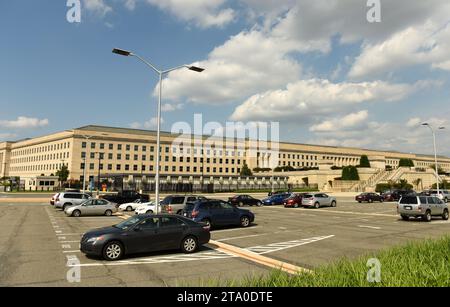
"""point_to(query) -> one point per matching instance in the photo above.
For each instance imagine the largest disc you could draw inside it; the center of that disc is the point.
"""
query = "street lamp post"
(436, 168)
(85, 164)
(160, 73)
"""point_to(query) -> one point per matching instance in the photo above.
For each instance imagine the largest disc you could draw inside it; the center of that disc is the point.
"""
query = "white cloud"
(247, 63)
(203, 13)
(150, 124)
(167, 107)
(350, 121)
(427, 45)
(23, 122)
(98, 7)
(404, 137)
(306, 98)
(130, 4)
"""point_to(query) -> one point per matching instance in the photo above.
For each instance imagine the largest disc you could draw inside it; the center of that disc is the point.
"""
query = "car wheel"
(129, 208)
(108, 212)
(405, 217)
(245, 221)
(333, 204)
(113, 251)
(316, 205)
(240, 204)
(149, 212)
(359, 201)
(273, 204)
(370, 201)
(295, 205)
(76, 213)
(445, 215)
(259, 204)
(427, 216)
(189, 245)
(180, 212)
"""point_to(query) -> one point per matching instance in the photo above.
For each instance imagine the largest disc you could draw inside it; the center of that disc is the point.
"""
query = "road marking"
(241, 237)
(326, 210)
(74, 251)
(70, 241)
(370, 227)
(235, 229)
(211, 254)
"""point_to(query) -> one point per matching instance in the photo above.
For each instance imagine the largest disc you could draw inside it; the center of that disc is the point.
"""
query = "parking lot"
(39, 245)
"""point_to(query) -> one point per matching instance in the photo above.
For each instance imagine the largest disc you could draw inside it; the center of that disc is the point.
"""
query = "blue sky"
(318, 67)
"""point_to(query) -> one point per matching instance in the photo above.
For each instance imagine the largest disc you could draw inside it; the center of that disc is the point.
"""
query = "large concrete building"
(132, 152)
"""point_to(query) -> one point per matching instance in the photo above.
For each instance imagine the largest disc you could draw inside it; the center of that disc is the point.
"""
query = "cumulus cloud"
(99, 7)
(150, 124)
(23, 122)
(350, 121)
(167, 107)
(203, 13)
(306, 98)
(247, 63)
(425, 45)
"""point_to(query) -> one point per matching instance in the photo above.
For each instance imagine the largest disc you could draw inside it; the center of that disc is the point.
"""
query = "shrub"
(245, 171)
(350, 173)
(364, 162)
(406, 163)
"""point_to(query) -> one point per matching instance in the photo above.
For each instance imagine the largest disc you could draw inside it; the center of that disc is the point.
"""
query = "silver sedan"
(318, 200)
(92, 207)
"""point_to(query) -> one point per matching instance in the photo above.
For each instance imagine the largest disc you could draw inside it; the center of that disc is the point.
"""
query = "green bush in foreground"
(418, 264)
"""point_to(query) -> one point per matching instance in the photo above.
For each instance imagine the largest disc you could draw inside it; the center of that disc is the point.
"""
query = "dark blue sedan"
(276, 199)
(218, 213)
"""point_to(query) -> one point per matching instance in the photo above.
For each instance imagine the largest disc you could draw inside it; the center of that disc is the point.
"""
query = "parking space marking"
(234, 229)
(241, 237)
(370, 227)
(207, 255)
(275, 247)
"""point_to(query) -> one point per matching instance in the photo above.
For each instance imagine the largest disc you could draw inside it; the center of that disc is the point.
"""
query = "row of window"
(181, 169)
(39, 149)
(166, 149)
(39, 167)
(47, 157)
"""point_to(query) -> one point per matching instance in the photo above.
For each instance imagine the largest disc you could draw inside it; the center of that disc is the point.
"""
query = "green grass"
(416, 264)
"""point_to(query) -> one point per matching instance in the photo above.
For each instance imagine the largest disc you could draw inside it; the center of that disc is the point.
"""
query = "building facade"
(131, 152)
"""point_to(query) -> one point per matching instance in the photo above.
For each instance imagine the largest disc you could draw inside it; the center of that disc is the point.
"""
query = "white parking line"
(370, 227)
(241, 237)
(207, 255)
(234, 229)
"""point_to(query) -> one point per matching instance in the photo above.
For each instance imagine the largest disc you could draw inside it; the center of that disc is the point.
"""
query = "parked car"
(244, 200)
(67, 199)
(54, 197)
(146, 208)
(92, 207)
(424, 207)
(295, 200)
(369, 197)
(218, 213)
(276, 192)
(391, 196)
(126, 196)
(143, 234)
(131, 206)
(443, 194)
(276, 199)
(318, 200)
(176, 203)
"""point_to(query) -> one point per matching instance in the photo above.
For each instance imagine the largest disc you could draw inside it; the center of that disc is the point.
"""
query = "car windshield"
(129, 223)
(137, 201)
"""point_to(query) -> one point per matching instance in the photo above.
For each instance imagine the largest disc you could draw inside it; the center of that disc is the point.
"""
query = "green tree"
(406, 163)
(440, 170)
(245, 171)
(443, 185)
(364, 162)
(350, 173)
(63, 173)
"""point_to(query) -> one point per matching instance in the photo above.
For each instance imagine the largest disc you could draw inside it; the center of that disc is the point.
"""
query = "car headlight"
(94, 240)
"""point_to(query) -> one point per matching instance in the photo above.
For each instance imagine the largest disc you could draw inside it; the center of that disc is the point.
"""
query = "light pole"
(85, 160)
(160, 73)
(436, 168)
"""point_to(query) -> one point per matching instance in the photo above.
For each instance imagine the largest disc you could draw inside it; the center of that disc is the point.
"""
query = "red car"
(294, 201)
